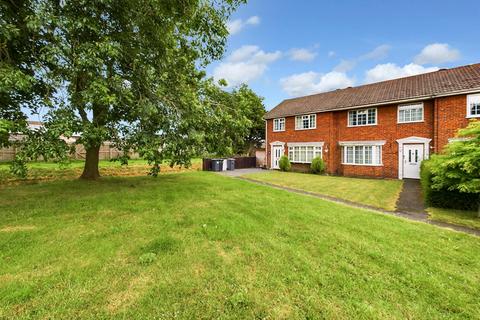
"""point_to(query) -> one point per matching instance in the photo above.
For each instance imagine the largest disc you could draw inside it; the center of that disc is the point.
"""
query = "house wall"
(442, 118)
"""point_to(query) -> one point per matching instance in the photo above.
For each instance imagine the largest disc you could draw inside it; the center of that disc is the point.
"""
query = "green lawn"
(458, 217)
(379, 193)
(52, 171)
(201, 246)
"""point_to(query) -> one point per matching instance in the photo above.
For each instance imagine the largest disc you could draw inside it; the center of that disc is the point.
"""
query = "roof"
(428, 85)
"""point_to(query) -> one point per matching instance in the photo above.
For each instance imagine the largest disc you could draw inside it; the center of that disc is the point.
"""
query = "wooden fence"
(240, 163)
(107, 152)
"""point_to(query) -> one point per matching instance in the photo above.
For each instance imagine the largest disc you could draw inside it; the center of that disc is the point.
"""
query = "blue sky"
(284, 49)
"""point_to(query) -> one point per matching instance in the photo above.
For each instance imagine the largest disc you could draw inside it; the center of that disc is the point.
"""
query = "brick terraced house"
(382, 129)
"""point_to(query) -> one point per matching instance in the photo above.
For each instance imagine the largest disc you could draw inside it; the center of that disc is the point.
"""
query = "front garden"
(199, 245)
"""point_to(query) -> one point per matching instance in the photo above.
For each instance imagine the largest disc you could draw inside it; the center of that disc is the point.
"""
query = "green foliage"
(284, 164)
(123, 71)
(452, 180)
(317, 166)
(443, 198)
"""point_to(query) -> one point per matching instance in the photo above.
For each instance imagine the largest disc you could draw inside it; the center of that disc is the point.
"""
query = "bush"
(443, 198)
(317, 166)
(284, 164)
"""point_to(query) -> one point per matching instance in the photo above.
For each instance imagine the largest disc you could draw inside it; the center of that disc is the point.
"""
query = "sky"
(284, 49)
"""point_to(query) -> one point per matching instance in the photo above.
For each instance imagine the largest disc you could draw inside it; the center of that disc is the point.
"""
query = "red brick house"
(382, 129)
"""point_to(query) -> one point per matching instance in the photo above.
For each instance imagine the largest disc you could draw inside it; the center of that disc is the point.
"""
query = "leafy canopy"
(129, 72)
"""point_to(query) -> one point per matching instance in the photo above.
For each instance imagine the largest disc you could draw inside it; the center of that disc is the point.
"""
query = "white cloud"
(437, 53)
(302, 55)
(345, 65)
(331, 54)
(313, 82)
(380, 52)
(235, 26)
(244, 65)
(389, 71)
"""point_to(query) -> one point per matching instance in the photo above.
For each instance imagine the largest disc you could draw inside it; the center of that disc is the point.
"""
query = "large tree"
(129, 72)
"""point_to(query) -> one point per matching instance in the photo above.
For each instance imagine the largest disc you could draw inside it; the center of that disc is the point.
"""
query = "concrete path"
(411, 199)
(239, 172)
(414, 216)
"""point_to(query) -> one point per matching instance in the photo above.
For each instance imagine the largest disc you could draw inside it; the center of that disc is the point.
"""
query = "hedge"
(444, 198)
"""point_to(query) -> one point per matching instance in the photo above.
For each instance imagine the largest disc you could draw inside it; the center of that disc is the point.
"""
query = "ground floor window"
(304, 153)
(362, 154)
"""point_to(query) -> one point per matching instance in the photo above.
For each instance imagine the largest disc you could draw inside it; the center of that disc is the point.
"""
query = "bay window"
(304, 152)
(362, 153)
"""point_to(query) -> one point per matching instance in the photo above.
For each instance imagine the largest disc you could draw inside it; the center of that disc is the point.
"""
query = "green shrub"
(284, 164)
(443, 198)
(317, 166)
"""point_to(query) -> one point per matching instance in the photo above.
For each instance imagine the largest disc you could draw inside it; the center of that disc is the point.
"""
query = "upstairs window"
(410, 113)
(279, 124)
(473, 105)
(366, 117)
(306, 122)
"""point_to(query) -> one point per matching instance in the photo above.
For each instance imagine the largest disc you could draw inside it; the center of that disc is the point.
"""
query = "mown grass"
(459, 217)
(201, 246)
(380, 193)
(54, 171)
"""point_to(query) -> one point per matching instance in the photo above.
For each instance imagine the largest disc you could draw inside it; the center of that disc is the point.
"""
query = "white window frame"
(302, 117)
(377, 152)
(471, 97)
(362, 125)
(279, 121)
(317, 149)
(410, 107)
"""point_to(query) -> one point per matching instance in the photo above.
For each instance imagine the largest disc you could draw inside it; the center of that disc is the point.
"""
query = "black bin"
(230, 164)
(217, 164)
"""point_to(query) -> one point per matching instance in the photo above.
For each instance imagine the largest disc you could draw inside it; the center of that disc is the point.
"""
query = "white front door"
(412, 157)
(276, 155)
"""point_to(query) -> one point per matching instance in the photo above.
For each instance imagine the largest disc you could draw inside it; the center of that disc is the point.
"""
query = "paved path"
(239, 172)
(411, 199)
(415, 216)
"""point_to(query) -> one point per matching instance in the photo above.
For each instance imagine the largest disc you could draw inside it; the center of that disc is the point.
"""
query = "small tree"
(284, 164)
(459, 168)
(317, 166)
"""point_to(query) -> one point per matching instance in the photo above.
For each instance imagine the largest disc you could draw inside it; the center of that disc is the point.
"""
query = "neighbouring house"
(383, 129)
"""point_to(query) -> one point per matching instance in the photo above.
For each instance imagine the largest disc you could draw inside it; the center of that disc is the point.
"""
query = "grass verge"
(459, 217)
(380, 193)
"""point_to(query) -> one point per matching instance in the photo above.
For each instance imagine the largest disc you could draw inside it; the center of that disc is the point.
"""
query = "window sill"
(362, 125)
(407, 122)
(305, 129)
(363, 165)
(278, 130)
(474, 116)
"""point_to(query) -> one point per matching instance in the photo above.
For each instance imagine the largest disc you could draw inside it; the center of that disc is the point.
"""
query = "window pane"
(309, 154)
(368, 154)
(378, 159)
(352, 118)
(371, 116)
(296, 154)
(362, 118)
(349, 155)
(359, 154)
(475, 109)
(290, 153)
(318, 152)
(312, 121)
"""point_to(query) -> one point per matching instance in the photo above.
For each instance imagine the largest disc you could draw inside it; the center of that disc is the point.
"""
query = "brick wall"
(451, 115)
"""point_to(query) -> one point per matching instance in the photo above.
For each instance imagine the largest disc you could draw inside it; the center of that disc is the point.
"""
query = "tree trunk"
(478, 212)
(90, 170)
